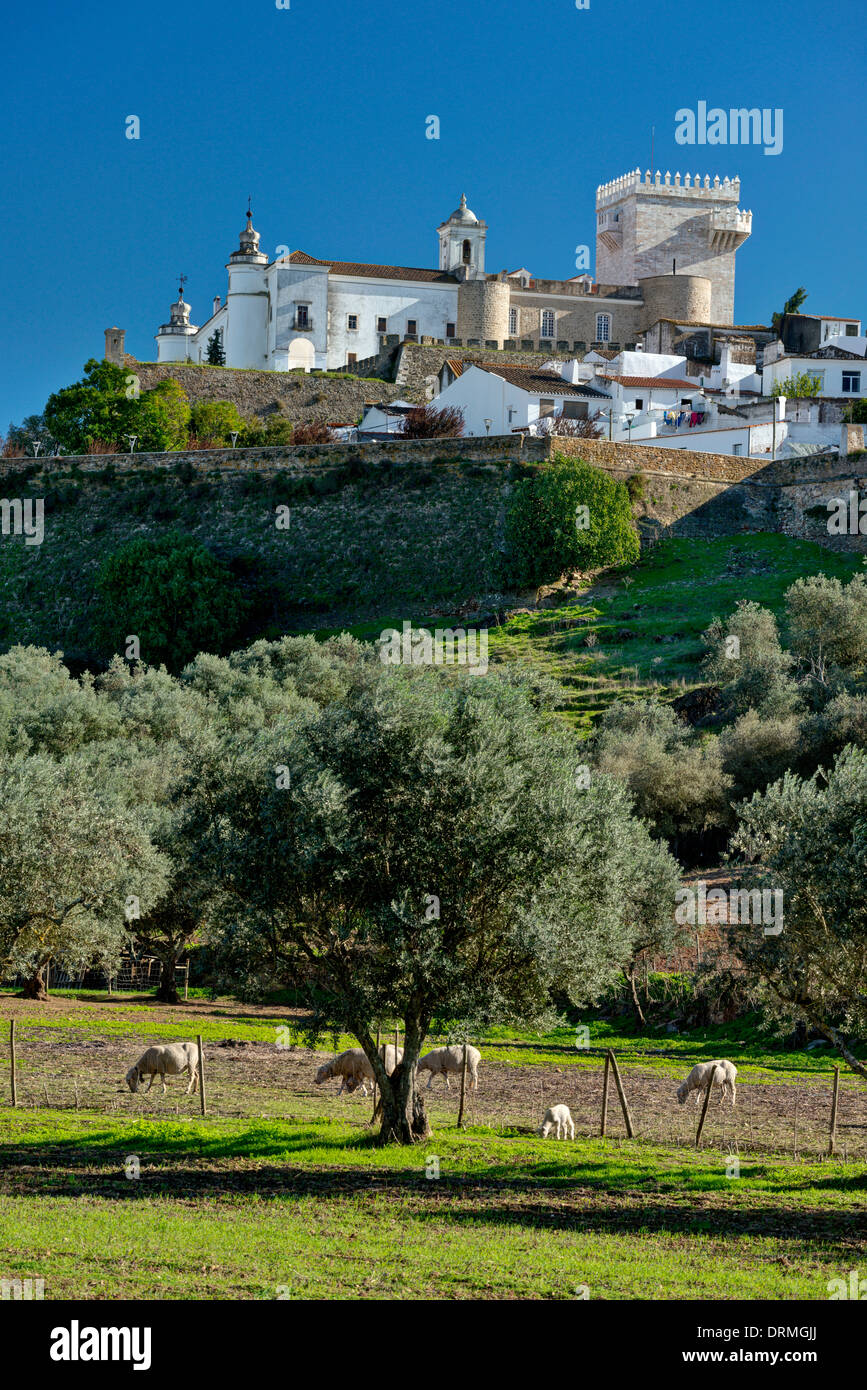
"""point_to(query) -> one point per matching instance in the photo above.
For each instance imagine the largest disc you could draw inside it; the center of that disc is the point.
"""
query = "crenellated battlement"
(691, 185)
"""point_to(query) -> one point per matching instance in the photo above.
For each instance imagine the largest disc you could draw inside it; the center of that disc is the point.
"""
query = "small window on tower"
(513, 323)
(467, 252)
(352, 323)
(381, 325)
(411, 327)
(450, 330)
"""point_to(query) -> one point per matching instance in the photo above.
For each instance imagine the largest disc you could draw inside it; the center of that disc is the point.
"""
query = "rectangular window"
(851, 330)
(412, 327)
(737, 448)
(851, 383)
(513, 323)
(450, 331)
(351, 359)
(603, 328)
(548, 323)
(639, 403)
(352, 323)
(302, 317)
(381, 325)
(545, 408)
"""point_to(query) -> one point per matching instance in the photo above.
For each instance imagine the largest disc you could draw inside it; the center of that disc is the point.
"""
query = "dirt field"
(64, 1069)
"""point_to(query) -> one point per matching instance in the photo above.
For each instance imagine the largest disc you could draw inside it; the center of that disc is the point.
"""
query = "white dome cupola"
(173, 338)
(247, 303)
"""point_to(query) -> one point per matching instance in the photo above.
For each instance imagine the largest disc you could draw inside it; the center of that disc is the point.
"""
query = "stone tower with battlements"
(659, 223)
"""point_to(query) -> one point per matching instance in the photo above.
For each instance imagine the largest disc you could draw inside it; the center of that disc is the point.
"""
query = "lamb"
(557, 1117)
(354, 1069)
(166, 1059)
(724, 1074)
(451, 1059)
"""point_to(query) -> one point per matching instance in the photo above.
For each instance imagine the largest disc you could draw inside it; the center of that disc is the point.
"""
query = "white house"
(499, 399)
(840, 364)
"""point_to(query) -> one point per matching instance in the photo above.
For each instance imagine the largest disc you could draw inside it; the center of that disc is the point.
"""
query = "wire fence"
(790, 1117)
(134, 974)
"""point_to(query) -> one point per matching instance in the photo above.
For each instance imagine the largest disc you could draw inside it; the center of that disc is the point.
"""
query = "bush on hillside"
(569, 515)
(215, 421)
(173, 595)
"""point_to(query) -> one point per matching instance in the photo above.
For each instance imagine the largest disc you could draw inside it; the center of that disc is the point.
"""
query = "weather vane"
(182, 280)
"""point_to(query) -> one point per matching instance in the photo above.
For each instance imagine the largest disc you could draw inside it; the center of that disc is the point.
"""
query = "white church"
(665, 262)
(300, 311)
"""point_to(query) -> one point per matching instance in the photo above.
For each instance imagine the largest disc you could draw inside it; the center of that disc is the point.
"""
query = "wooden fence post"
(833, 1139)
(621, 1093)
(373, 1116)
(187, 981)
(605, 1096)
(202, 1103)
(463, 1088)
(704, 1108)
(12, 1059)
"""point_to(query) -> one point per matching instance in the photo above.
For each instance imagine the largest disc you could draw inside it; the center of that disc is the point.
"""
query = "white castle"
(665, 251)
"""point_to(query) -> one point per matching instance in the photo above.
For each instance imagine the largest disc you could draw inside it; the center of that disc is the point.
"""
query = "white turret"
(247, 303)
(462, 242)
(173, 338)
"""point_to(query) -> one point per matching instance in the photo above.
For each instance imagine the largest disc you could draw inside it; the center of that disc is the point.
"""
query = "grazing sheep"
(724, 1074)
(354, 1069)
(451, 1059)
(558, 1117)
(166, 1059)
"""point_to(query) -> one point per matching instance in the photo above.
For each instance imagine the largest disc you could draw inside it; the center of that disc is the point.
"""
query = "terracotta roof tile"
(533, 379)
(669, 382)
(378, 272)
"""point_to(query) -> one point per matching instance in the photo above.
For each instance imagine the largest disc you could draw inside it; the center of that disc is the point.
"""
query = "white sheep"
(354, 1068)
(166, 1059)
(724, 1073)
(443, 1060)
(557, 1117)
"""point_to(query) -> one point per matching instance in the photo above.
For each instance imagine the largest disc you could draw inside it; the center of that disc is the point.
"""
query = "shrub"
(215, 420)
(426, 422)
(173, 594)
(568, 515)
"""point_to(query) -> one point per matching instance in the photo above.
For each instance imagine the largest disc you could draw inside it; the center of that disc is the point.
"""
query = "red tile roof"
(650, 381)
(379, 272)
(534, 380)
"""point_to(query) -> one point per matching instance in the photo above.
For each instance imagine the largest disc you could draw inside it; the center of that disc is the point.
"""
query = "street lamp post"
(629, 416)
(488, 424)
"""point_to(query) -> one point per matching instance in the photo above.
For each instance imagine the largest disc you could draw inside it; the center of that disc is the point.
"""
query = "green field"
(283, 1210)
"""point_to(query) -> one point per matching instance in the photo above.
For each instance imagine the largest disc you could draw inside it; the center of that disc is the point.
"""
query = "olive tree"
(70, 857)
(421, 848)
(808, 838)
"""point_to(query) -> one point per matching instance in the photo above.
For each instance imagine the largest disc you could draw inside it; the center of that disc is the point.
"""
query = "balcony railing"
(302, 325)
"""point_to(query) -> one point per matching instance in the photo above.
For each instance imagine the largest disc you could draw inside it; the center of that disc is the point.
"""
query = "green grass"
(238, 1210)
(750, 1043)
(648, 633)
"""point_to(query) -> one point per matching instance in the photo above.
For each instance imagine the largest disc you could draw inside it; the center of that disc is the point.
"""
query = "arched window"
(603, 328)
(467, 252)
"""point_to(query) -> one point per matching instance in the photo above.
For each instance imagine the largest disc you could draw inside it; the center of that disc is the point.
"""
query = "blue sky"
(319, 112)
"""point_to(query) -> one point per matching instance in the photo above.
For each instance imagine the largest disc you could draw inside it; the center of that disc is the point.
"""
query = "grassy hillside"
(639, 630)
(356, 546)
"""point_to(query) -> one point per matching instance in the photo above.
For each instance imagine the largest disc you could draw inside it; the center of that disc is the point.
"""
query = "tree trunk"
(630, 975)
(35, 986)
(404, 1120)
(167, 992)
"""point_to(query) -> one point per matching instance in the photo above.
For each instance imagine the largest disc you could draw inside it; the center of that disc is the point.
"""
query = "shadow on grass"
(471, 1199)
